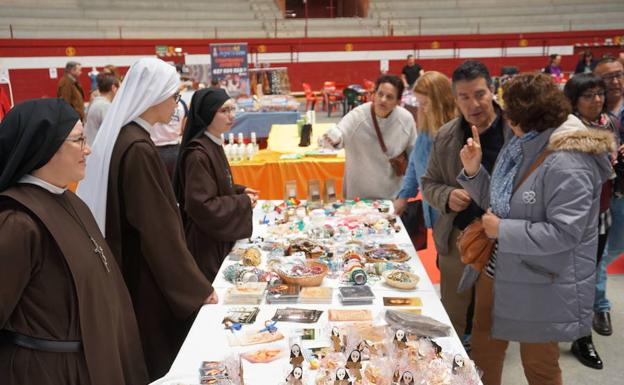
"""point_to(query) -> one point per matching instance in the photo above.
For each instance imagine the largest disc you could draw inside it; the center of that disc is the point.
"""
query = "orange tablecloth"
(268, 173)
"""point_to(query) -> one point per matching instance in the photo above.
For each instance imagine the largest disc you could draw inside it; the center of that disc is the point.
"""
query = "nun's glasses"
(228, 110)
(81, 140)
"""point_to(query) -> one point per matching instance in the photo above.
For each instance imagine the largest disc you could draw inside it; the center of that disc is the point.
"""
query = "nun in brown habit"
(216, 212)
(65, 313)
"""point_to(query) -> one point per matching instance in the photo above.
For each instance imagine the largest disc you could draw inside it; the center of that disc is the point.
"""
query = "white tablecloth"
(207, 339)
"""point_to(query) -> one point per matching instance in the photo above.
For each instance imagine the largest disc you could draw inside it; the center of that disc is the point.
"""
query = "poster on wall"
(229, 67)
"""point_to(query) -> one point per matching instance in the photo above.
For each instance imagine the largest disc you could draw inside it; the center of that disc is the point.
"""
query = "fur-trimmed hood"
(573, 135)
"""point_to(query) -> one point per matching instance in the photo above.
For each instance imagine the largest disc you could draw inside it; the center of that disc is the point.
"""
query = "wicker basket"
(413, 280)
(313, 280)
(399, 256)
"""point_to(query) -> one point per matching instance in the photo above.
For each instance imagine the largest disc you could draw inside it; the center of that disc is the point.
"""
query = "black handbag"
(414, 222)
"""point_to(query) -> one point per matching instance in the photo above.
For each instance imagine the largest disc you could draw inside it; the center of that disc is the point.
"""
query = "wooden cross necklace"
(97, 249)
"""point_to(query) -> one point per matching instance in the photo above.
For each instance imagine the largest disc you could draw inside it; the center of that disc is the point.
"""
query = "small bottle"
(229, 150)
(240, 147)
(254, 141)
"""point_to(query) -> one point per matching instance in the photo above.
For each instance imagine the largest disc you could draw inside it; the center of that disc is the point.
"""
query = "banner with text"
(229, 67)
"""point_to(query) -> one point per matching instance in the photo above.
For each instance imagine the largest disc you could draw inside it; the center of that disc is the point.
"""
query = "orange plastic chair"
(369, 86)
(332, 97)
(311, 99)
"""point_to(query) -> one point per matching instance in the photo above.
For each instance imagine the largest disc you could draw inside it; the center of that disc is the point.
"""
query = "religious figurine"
(296, 358)
(269, 326)
(396, 377)
(400, 339)
(228, 323)
(458, 363)
(342, 378)
(337, 340)
(407, 378)
(295, 377)
(354, 365)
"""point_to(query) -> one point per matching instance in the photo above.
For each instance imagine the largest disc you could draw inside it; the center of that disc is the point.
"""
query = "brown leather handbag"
(474, 245)
(399, 162)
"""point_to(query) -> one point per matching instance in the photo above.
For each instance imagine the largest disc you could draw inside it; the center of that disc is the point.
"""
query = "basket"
(313, 280)
(413, 279)
(398, 256)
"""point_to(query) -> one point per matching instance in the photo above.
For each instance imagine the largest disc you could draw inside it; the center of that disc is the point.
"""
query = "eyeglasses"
(613, 75)
(592, 95)
(228, 110)
(81, 140)
(177, 97)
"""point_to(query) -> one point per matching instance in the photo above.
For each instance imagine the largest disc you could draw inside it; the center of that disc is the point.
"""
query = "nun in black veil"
(216, 212)
(65, 312)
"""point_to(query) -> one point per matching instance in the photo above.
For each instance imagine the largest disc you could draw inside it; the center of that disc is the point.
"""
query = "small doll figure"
(437, 348)
(407, 378)
(336, 339)
(228, 323)
(269, 326)
(396, 377)
(400, 339)
(342, 378)
(296, 358)
(354, 365)
(295, 377)
(458, 363)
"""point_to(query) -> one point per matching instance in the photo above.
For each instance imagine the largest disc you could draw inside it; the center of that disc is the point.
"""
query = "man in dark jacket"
(472, 86)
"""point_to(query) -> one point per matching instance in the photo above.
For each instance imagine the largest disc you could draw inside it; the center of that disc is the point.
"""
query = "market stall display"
(341, 330)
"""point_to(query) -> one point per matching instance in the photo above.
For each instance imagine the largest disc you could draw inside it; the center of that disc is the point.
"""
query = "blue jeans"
(615, 247)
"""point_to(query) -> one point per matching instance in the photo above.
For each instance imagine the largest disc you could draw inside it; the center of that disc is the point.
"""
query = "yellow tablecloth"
(268, 173)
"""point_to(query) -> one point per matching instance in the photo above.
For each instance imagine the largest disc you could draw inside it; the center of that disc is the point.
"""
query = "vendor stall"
(328, 294)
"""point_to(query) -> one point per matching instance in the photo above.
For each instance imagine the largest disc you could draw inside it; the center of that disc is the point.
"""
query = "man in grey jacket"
(473, 94)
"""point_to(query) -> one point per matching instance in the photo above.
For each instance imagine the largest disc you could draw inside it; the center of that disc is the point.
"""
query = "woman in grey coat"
(538, 286)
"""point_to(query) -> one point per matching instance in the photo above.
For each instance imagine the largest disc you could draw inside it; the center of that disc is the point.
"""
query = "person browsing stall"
(216, 212)
(369, 169)
(474, 98)
(542, 202)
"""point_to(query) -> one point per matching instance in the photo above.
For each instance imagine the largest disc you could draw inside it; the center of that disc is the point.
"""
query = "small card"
(243, 315)
(283, 293)
(402, 301)
(290, 190)
(356, 293)
(350, 315)
(213, 372)
(316, 294)
(253, 338)
(297, 315)
(314, 191)
(330, 190)
(309, 334)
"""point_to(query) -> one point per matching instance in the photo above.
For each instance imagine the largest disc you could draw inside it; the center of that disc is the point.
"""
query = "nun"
(216, 212)
(65, 313)
(130, 194)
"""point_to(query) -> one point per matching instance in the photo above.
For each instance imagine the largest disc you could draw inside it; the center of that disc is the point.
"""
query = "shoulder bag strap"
(378, 131)
(539, 160)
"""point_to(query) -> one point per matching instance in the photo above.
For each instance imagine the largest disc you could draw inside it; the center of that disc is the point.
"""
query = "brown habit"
(216, 212)
(144, 230)
(71, 90)
(55, 287)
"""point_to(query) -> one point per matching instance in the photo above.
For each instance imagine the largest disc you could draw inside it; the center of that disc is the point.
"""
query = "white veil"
(149, 81)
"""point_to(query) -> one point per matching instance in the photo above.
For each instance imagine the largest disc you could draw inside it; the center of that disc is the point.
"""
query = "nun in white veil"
(130, 194)
(149, 82)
